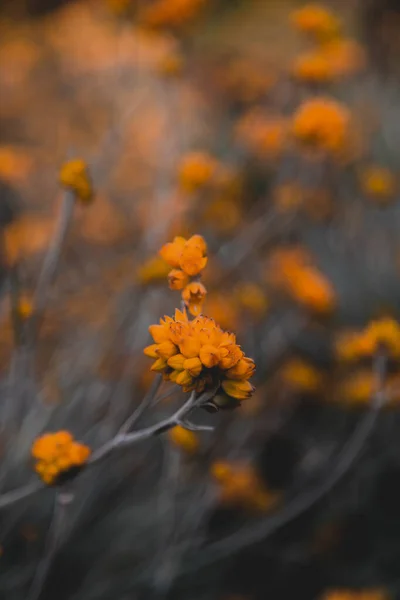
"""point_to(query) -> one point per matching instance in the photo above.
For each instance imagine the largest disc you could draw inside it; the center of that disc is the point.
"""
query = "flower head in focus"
(198, 355)
(74, 175)
(57, 455)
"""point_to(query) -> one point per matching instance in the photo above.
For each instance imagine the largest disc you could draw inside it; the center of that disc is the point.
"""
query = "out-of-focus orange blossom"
(262, 134)
(26, 236)
(184, 439)
(74, 175)
(15, 165)
(196, 171)
(252, 298)
(246, 80)
(240, 486)
(322, 123)
(153, 270)
(382, 334)
(301, 376)
(292, 271)
(313, 67)
(317, 21)
(58, 453)
(379, 183)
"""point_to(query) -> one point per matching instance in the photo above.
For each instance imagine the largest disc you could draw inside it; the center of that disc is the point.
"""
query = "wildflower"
(119, 7)
(187, 255)
(15, 165)
(252, 298)
(322, 123)
(241, 486)
(201, 356)
(357, 388)
(193, 296)
(292, 271)
(378, 183)
(184, 439)
(57, 455)
(317, 21)
(177, 279)
(196, 171)
(262, 134)
(152, 270)
(380, 334)
(313, 67)
(74, 175)
(301, 376)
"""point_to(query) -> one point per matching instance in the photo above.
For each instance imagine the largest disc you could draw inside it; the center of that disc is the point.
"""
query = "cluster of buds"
(58, 456)
(188, 259)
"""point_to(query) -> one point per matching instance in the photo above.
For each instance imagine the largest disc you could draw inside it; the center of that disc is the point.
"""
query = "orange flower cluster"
(198, 355)
(382, 333)
(188, 259)
(378, 182)
(58, 454)
(317, 21)
(291, 270)
(322, 123)
(170, 13)
(74, 175)
(196, 171)
(240, 486)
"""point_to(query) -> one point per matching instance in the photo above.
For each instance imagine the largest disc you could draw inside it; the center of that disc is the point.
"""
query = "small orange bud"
(240, 389)
(177, 279)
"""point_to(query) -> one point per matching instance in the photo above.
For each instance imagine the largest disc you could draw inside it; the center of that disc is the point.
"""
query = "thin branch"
(193, 427)
(128, 439)
(303, 502)
(54, 535)
(145, 403)
(52, 260)
(26, 491)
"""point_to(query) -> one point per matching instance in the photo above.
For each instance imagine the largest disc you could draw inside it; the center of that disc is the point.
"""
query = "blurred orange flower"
(301, 376)
(262, 134)
(316, 20)
(313, 67)
(58, 454)
(184, 439)
(322, 123)
(196, 170)
(379, 183)
(241, 486)
(74, 175)
(170, 13)
(381, 333)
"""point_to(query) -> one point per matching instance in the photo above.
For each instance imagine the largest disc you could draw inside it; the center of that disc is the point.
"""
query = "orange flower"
(188, 255)
(313, 67)
(382, 333)
(196, 170)
(346, 57)
(184, 439)
(301, 376)
(74, 175)
(374, 594)
(58, 454)
(177, 279)
(241, 486)
(378, 183)
(262, 134)
(199, 355)
(317, 21)
(193, 296)
(322, 123)
(172, 251)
